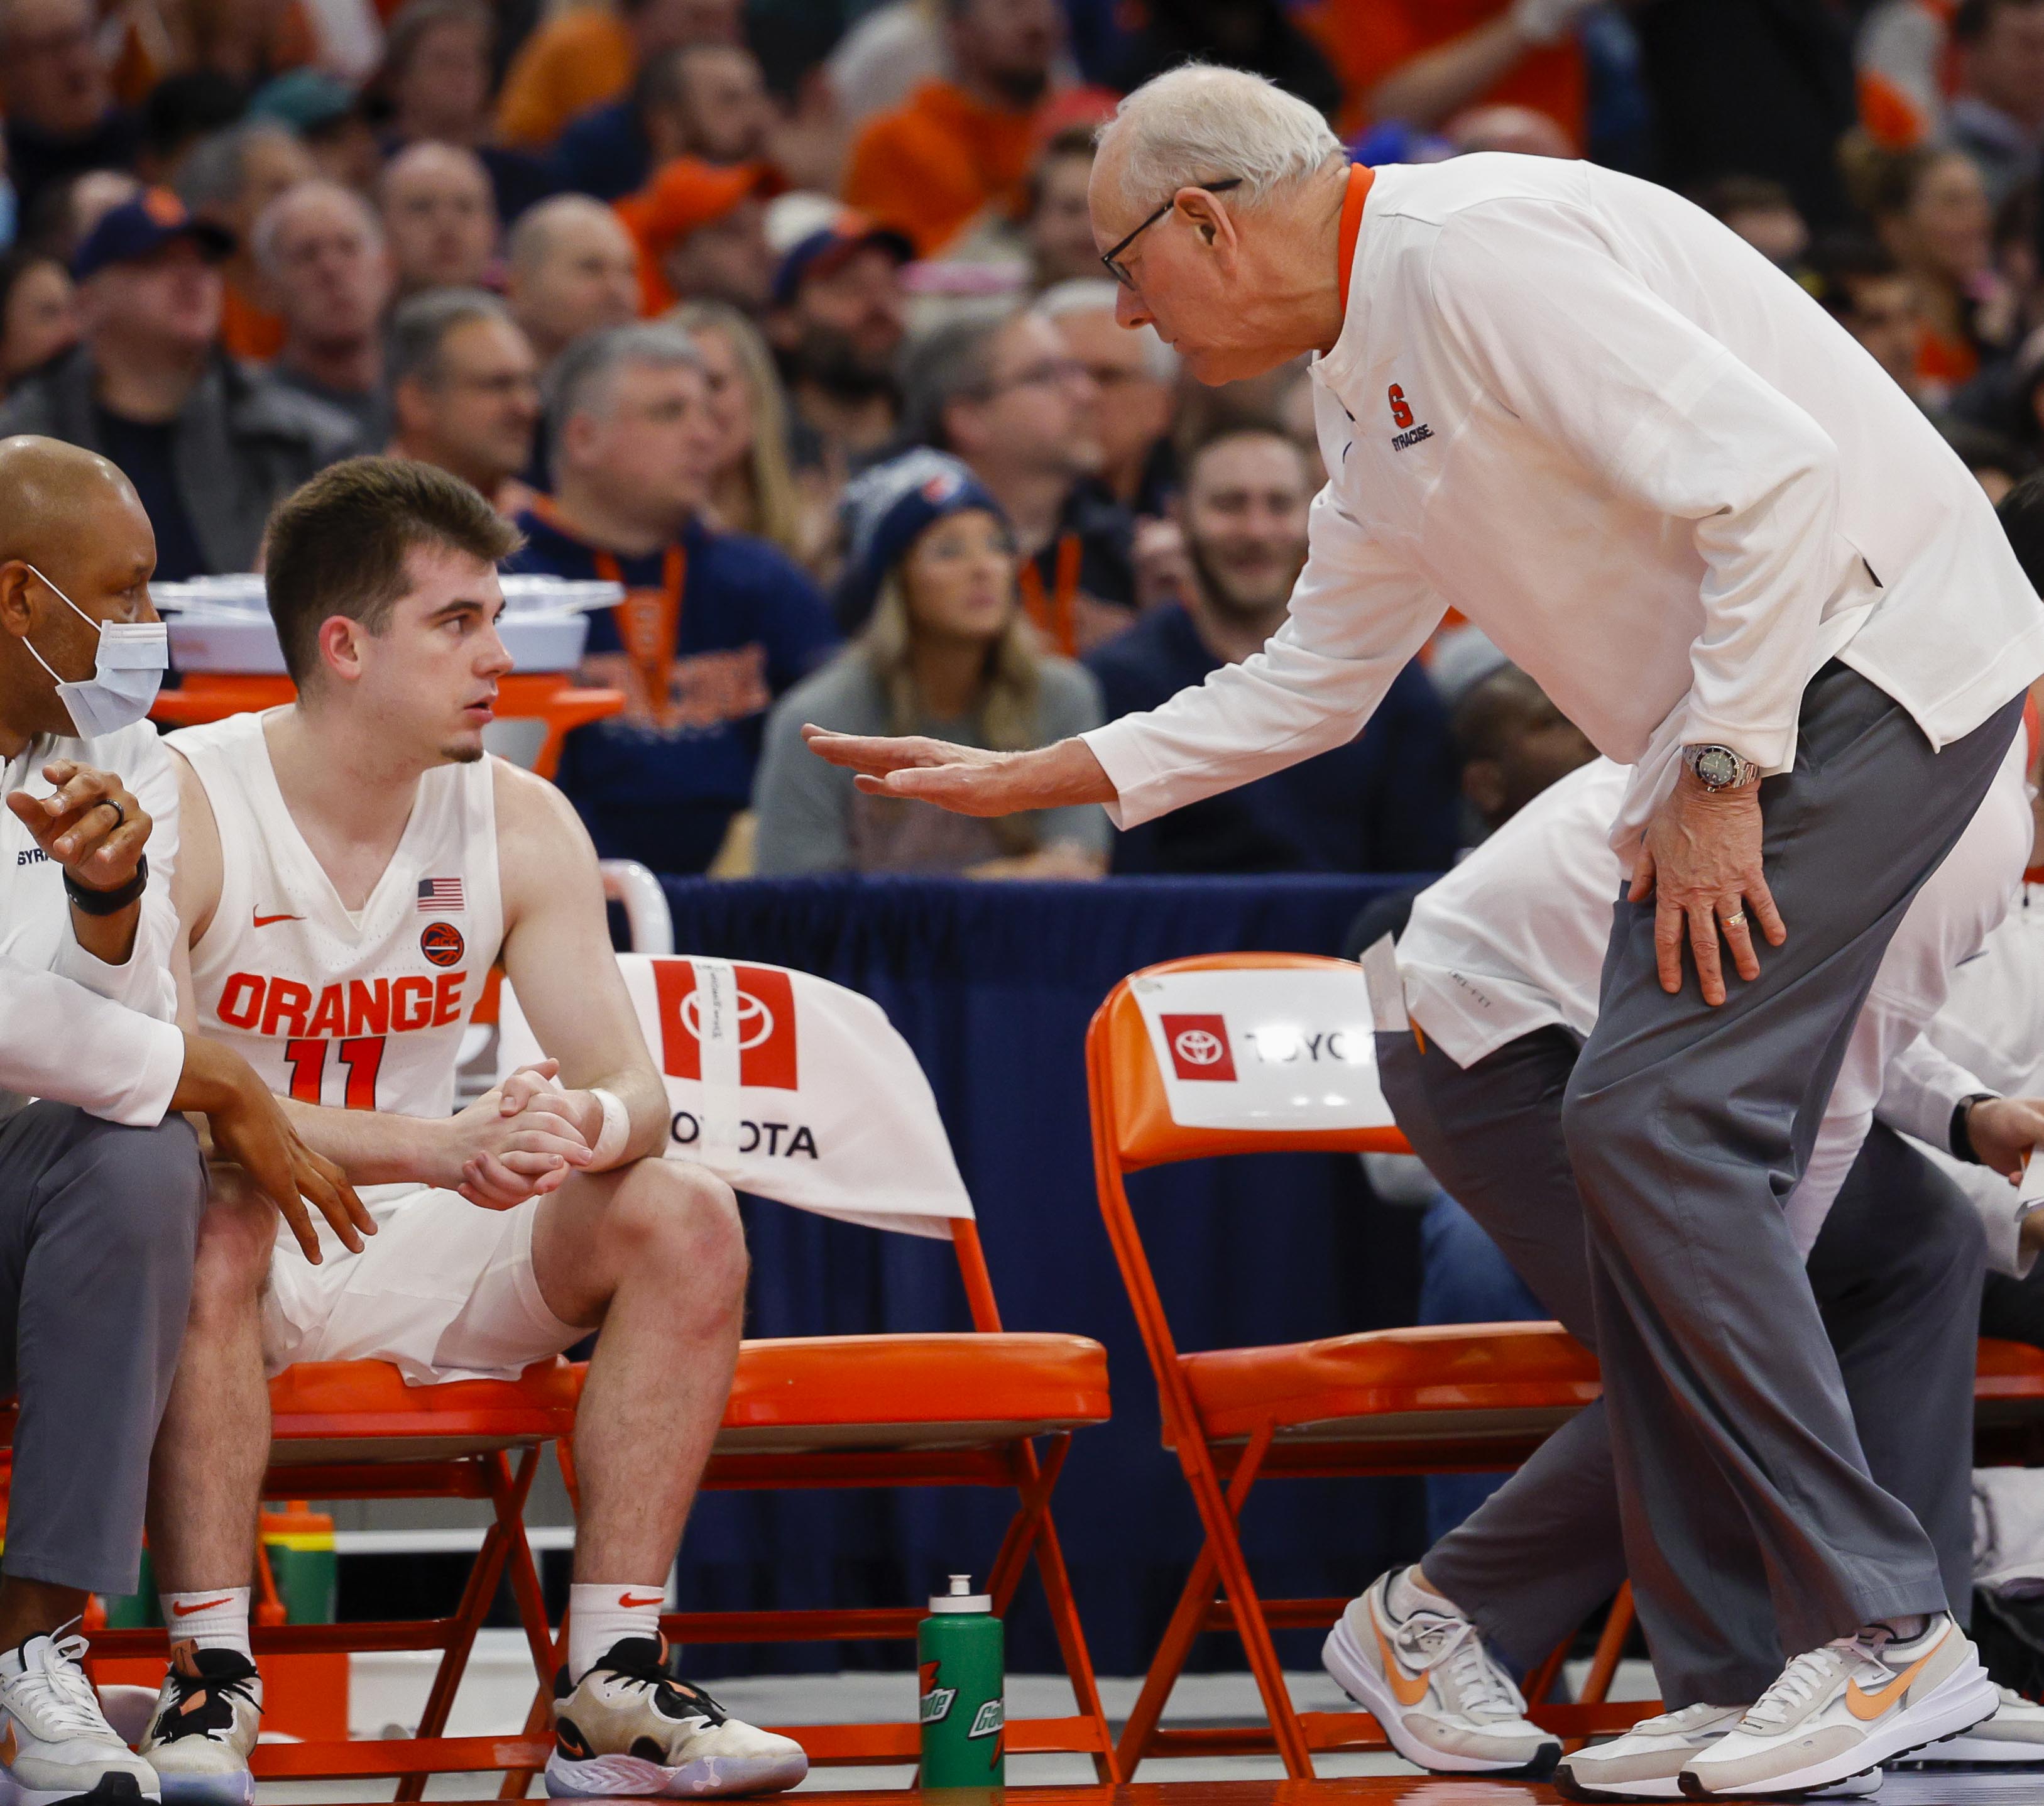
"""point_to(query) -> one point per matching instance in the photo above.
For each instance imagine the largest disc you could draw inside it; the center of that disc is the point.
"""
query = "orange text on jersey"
(380, 1006)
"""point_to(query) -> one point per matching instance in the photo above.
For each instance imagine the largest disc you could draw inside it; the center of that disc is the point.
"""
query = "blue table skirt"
(993, 986)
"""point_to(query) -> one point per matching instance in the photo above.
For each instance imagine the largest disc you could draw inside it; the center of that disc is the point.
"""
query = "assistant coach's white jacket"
(1649, 466)
(73, 1029)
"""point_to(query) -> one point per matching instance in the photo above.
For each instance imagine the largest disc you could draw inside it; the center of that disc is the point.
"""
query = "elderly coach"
(101, 1182)
(1570, 404)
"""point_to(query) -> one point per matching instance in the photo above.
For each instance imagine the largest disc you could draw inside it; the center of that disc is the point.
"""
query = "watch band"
(108, 902)
(1959, 1136)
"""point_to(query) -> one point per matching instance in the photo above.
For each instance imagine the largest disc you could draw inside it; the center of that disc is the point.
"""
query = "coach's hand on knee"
(1699, 861)
(250, 1129)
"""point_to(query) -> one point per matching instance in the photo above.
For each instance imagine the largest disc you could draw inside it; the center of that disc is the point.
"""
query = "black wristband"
(108, 902)
(1959, 1136)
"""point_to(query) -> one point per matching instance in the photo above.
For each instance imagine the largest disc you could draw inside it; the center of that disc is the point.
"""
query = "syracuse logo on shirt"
(765, 1023)
(1401, 416)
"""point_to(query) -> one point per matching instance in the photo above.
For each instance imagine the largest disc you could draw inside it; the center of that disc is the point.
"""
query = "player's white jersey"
(363, 1009)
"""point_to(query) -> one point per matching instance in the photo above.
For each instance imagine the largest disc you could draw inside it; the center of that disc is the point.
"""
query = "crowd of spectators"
(786, 316)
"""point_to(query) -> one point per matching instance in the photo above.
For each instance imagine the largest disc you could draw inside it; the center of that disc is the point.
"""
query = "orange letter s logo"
(1401, 416)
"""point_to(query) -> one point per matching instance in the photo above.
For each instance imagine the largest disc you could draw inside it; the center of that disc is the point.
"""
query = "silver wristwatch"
(1719, 767)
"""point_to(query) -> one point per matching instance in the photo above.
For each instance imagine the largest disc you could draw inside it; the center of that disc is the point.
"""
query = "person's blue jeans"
(1463, 1279)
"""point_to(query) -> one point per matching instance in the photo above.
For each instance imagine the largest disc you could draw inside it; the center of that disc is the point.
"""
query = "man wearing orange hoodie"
(932, 165)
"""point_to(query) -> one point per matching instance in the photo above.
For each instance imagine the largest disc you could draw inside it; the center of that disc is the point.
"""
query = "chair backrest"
(1231, 1053)
(789, 1087)
(1237, 1053)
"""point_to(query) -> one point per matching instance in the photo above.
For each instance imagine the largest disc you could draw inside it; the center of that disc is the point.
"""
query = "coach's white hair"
(1090, 294)
(1198, 123)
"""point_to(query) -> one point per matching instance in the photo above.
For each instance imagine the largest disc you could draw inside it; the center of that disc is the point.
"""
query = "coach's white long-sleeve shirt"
(73, 1028)
(1650, 467)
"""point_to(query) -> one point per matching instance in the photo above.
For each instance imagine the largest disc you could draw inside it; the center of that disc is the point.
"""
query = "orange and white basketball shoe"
(1442, 1698)
(1846, 1707)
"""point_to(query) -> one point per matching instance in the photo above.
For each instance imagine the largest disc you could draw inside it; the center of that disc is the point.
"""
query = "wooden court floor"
(1901, 1788)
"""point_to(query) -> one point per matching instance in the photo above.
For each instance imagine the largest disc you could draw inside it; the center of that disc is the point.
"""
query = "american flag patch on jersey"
(440, 894)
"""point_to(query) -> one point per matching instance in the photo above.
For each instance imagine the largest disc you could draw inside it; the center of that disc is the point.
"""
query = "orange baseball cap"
(684, 196)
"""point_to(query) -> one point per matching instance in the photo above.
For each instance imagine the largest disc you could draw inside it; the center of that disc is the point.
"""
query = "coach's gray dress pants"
(1896, 1276)
(98, 1225)
(1686, 1128)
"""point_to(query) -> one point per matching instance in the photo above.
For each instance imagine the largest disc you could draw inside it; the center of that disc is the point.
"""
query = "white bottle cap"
(961, 1597)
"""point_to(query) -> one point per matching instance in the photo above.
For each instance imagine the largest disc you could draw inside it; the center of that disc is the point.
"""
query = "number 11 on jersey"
(360, 1059)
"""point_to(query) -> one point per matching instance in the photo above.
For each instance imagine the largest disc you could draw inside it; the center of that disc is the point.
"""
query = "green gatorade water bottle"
(958, 1651)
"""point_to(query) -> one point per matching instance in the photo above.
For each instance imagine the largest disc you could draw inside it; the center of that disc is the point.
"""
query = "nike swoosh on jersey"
(1869, 1706)
(1409, 1689)
(264, 921)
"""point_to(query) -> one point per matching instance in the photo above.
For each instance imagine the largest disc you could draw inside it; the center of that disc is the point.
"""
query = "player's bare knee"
(681, 1223)
(235, 1237)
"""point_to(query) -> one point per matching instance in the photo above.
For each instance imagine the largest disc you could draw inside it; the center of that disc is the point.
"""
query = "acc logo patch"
(441, 942)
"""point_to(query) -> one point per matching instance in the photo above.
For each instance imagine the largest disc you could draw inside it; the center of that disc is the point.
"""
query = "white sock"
(1904, 1629)
(216, 1619)
(1405, 1595)
(601, 1612)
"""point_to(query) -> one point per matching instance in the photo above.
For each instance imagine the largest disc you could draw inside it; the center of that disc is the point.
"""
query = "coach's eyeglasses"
(1111, 259)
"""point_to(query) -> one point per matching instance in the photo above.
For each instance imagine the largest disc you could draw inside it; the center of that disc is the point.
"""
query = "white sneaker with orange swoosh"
(1440, 1697)
(55, 1745)
(1846, 1707)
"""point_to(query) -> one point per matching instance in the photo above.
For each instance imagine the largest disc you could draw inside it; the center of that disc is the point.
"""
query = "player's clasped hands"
(520, 1139)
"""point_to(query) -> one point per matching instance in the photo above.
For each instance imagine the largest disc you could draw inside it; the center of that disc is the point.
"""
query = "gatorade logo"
(991, 1717)
(935, 1705)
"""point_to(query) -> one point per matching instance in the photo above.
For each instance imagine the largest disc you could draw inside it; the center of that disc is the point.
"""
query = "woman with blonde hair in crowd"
(946, 651)
(755, 489)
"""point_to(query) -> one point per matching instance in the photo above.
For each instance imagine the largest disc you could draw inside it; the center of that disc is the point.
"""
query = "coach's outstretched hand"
(1699, 861)
(250, 1129)
(967, 780)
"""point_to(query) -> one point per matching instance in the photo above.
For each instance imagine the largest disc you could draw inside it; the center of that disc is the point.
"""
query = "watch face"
(1716, 767)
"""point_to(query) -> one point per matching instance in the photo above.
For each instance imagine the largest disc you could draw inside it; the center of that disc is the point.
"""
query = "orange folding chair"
(354, 1430)
(1254, 1053)
(808, 1064)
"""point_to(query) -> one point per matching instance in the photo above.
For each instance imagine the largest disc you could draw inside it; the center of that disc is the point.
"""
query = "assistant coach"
(100, 1180)
(1570, 404)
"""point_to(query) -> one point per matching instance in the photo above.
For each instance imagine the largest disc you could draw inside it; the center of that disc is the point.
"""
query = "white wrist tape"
(609, 1147)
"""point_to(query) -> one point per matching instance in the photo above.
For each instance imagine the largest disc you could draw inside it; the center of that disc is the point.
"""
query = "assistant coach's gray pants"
(98, 1224)
(1896, 1274)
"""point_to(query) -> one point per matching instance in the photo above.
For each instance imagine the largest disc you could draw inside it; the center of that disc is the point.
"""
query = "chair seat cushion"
(943, 1391)
(1459, 1382)
(2008, 1384)
(336, 1411)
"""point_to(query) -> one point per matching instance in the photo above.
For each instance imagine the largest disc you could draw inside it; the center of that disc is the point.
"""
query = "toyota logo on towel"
(765, 1023)
(1199, 1046)
(756, 1020)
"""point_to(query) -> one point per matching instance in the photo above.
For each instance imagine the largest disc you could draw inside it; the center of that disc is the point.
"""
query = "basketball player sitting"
(353, 864)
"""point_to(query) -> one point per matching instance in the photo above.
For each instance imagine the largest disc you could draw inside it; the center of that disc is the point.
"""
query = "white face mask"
(127, 672)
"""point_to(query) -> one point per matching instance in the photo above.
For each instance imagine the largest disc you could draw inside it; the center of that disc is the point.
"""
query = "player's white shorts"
(444, 1290)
